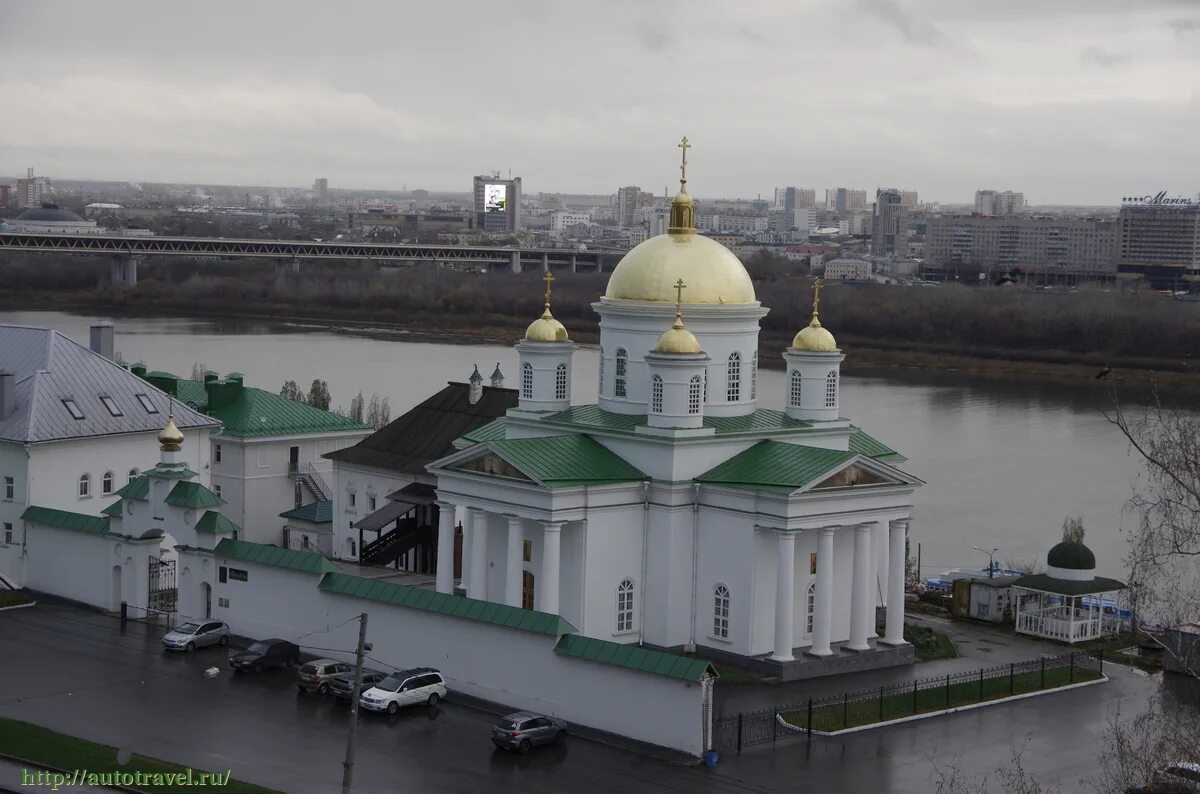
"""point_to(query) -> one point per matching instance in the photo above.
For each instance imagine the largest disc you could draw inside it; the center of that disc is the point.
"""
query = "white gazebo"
(1068, 603)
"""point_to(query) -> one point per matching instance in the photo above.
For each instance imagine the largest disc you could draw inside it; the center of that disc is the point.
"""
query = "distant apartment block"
(497, 203)
(320, 189)
(999, 202)
(791, 198)
(889, 224)
(909, 199)
(32, 190)
(847, 270)
(629, 201)
(732, 222)
(1032, 243)
(1160, 242)
(564, 219)
(5, 195)
(841, 199)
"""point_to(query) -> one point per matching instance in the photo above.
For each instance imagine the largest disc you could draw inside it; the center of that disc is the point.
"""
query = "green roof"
(1072, 587)
(492, 431)
(62, 519)
(776, 466)
(115, 510)
(592, 417)
(213, 523)
(193, 495)
(445, 604)
(315, 513)
(865, 444)
(1072, 555)
(139, 488)
(633, 657)
(271, 555)
(560, 461)
(261, 413)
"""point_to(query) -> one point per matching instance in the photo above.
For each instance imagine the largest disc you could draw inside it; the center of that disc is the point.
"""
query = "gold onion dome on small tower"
(677, 338)
(546, 328)
(170, 438)
(815, 338)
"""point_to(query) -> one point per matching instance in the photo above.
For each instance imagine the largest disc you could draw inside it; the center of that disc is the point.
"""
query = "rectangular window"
(527, 551)
(72, 408)
(217, 490)
(371, 503)
(222, 574)
(238, 574)
(353, 499)
(144, 399)
(223, 603)
(110, 405)
(9, 489)
(812, 564)
(8, 534)
(216, 453)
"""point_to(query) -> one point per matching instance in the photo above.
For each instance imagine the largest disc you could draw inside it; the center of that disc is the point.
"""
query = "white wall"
(79, 566)
(364, 481)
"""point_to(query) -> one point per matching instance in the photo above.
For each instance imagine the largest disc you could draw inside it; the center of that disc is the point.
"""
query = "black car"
(342, 686)
(264, 655)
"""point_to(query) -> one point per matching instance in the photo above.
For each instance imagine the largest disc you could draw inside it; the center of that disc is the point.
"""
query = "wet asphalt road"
(73, 671)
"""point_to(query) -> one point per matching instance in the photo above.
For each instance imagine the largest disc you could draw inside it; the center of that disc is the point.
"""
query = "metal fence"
(895, 701)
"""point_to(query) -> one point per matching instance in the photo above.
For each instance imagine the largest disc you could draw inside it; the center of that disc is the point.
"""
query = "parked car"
(196, 634)
(1181, 776)
(405, 688)
(524, 730)
(342, 686)
(264, 655)
(315, 676)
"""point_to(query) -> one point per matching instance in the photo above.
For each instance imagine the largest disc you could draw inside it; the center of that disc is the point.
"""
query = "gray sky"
(1071, 101)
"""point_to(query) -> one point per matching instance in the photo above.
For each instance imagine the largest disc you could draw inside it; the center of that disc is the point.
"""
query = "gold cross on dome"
(548, 277)
(683, 166)
(679, 288)
(816, 297)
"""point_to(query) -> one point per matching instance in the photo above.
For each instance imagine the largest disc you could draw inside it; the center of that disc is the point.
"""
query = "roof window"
(111, 405)
(72, 408)
(144, 399)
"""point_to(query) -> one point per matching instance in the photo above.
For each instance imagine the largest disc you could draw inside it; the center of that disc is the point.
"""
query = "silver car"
(196, 634)
(524, 729)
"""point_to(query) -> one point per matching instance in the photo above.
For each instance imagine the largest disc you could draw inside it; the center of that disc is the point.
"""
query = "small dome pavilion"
(1069, 602)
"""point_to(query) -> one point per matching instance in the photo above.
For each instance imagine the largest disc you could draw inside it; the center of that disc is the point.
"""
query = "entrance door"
(206, 591)
(526, 590)
(294, 459)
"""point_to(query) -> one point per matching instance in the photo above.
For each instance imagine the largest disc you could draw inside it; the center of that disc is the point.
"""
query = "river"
(1005, 461)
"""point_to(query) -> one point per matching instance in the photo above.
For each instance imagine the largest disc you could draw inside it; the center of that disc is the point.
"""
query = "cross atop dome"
(683, 166)
(548, 277)
(683, 208)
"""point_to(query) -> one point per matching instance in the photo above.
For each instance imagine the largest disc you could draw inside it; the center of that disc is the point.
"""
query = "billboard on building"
(495, 198)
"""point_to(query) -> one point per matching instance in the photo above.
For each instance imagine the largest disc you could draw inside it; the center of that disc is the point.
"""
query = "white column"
(479, 560)
(823, 608)
(547, 583)
(512, 569)
(878, 574)
(894, 635)
(861, 603)
(445, 553)
(785, 596)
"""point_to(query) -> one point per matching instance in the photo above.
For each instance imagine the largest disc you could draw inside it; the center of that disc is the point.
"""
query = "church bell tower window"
(694, 395)
(794, 391)
(527, 381)
(560, 382)
(619, 385)
(733, 389)
(831, 390)
(754, 376)
(656, 394)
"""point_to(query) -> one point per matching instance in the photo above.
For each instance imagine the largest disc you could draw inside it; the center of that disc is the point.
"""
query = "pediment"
(854, 476)
(491, 464)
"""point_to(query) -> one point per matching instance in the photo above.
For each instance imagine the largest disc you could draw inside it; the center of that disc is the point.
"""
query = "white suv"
(405, 688)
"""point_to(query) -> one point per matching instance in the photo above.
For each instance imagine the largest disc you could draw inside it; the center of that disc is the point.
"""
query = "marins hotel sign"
(1161, 199)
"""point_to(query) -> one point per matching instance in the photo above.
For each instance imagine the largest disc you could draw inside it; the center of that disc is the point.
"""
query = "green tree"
(318, 395)
(356, 407)
(292, 391)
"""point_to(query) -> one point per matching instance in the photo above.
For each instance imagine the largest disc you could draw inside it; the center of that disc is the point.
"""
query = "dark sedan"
(342, 686)
(265, 654)
(523, 730)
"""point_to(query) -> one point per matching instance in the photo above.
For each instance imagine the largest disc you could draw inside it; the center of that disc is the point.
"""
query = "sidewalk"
(979, 645)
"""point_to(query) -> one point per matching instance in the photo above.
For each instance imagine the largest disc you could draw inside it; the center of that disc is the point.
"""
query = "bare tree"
(1133, 750)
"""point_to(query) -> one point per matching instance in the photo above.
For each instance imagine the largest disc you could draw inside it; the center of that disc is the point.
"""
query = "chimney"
(476, 386)
(223, 393)
(8, 394)
(102, 340)
(497, 377)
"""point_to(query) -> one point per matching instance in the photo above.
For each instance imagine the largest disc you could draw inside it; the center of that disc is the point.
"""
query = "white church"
(674, 512)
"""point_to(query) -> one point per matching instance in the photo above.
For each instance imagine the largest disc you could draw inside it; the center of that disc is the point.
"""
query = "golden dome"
(677, 339)
(170, 437)
(815, 339)
(546, 329)
(650, 270)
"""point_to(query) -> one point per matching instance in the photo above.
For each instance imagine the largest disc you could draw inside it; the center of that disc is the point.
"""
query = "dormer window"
(72, 408)
(111, 405)
(144, 399)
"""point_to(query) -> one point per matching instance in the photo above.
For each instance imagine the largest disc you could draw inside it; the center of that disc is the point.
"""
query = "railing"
(895, 701)
(307, 473)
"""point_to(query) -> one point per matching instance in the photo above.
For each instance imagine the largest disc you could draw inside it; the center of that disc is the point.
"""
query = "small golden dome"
(678, 339)
(546, 329)
(170, 437)
(815, 339)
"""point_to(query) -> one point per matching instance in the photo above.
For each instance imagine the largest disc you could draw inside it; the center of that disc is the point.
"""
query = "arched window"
(527, 380)
(560, 382)
(794, 389)
(133, 474)
(810, 605)
(721, 611)
(754, 376)
(656, 394)
(831, 390)
(622, 363)
(106, 483)
(733, 386)
(625, 605)
(694, 395)
(85, 485)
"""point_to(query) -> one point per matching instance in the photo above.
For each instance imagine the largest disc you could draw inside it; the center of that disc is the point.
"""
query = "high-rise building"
(4, 195)
(629, 200)
(999, 202)
(889, 224)
(498, 203)
(320, 189)
(1032, 243)
(909, 199)
(841, 199)
(32, 190)
(1160, 241)
(790, 198)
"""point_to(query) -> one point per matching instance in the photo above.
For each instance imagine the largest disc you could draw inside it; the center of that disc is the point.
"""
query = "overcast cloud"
(1072, 101)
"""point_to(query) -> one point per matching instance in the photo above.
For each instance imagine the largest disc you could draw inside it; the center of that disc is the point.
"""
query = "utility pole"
(348, 764)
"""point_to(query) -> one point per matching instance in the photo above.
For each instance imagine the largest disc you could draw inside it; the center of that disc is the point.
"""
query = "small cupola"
(497, 377)
(170, 439)
(476, 386)
(813, 370)
(676, 369)
(544, 357)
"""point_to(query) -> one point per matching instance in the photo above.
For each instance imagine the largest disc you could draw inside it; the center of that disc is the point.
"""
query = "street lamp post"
(991, 560)
(363, 647)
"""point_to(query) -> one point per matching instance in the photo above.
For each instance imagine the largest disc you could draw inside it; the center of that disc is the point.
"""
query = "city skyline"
(975, 98)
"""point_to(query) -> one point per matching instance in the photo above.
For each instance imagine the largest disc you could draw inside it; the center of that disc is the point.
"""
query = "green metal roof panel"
(445, 604)
(775, 465)
(192, 495)
(213, 523)
(1071, 587)
(115, 510)
(257, 413)
(63, 519)
(315, 512)
(865, 444)
(566, 460)
(633, 657)
(760, 421)
(492, 431)
(270, 555)
(139, 488)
